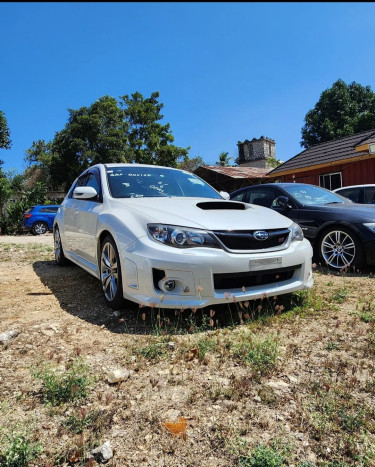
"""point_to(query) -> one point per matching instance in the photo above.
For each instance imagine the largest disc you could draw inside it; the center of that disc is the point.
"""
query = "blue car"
(39, 219)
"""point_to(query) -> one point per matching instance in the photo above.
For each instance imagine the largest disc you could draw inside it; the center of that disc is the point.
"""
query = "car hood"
(203, 213)
(357, 212)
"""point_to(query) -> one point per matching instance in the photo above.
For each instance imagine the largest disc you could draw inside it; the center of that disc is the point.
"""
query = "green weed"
(18, 450)
(260, 355)
(262, 457)
(153, 351)
(70, 385)
(205, 345)
(340, 295)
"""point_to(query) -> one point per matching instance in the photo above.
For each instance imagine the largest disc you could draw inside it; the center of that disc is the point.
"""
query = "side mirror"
(225, 195)
(84, 192)
(283, 202)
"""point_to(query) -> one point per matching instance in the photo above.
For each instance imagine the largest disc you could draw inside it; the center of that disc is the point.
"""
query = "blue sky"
(225, 71)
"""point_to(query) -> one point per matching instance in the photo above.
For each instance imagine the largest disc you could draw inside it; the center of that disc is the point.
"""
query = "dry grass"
(284, 381)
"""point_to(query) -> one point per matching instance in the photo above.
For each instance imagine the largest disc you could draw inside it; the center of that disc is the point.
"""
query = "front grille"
(245, 240)
(252, 279)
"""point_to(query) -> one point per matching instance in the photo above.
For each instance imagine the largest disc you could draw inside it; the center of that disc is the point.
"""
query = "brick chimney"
(255, 153)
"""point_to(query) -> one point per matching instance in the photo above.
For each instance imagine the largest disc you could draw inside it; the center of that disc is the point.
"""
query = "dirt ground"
(314, 407)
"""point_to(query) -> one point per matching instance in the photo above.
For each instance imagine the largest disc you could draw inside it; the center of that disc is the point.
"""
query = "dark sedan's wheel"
(339, 248)
(39, 228)
(110, 273)
(59, 252)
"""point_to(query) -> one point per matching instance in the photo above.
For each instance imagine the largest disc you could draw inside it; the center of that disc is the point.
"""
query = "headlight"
(297, 234)
(370, 226)
(181, 237)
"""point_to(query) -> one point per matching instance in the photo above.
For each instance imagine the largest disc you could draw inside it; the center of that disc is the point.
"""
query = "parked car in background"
(163, 237)
(39, 219)
(362, 194)
(342, 232)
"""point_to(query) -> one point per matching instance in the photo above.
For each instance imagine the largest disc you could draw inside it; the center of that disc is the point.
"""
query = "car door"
(69, 215)
(86, 219)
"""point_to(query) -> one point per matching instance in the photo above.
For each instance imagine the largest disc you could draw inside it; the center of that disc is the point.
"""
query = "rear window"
(49, 209)
(29, 210)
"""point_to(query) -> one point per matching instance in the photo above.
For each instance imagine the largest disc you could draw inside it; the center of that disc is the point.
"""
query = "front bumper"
(209, 276)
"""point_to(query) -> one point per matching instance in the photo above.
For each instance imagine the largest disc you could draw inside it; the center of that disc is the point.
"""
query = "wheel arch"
(333, 225)
(104, 233)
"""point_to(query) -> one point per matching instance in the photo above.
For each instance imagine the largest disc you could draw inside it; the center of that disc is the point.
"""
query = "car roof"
(282, 185)
(126, 164)
(355, 186)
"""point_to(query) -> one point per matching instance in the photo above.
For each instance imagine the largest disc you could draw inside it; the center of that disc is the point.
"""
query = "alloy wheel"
(109, 271)
(338, 249)
(40, 228)
(57, 245)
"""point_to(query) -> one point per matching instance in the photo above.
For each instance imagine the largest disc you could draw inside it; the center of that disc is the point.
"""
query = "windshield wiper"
(334, 202)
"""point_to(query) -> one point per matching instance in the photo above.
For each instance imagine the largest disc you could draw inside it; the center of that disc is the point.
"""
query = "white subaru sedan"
(162, 236)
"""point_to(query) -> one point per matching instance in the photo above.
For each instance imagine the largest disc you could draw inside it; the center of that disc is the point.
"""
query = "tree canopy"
(108, 131)
(342, 110)
(5, 141)
(224, 159)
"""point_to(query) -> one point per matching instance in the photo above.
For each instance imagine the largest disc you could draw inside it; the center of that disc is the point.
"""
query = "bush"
(14, 202)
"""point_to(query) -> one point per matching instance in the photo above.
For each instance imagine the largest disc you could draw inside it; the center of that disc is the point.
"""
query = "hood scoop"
(228, 205)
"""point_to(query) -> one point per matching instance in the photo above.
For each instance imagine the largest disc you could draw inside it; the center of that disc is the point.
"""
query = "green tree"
(190, 163)
(5, 142)
(342, 110)
(149, 142)
(224, 159)
(272, 163)
(93, 135)
(15, 199)
(107, 131)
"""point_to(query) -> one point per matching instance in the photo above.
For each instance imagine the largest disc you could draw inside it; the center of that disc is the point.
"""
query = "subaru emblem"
(260, 235)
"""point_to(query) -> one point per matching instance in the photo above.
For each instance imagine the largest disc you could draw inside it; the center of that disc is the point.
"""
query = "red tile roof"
(236, 172)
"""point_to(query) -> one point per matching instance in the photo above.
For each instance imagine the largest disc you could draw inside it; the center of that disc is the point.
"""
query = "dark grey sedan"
(341, 232)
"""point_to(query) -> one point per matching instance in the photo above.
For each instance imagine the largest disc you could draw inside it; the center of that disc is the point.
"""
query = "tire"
(340, 248)
(39, 228)
(58, 249)
(110, 273)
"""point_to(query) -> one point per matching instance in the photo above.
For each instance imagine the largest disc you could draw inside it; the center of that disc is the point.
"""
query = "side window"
(241, 197)
(93, 182)
(352, 193)
(263, 197)
(89, 179)
(49, 209)
(80, 182)
(369, 195)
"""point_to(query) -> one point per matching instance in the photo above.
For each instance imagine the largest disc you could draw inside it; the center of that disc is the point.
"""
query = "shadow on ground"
(80, 295)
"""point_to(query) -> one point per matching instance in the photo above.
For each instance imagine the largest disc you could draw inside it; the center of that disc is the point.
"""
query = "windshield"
(151, 182)
(309, 195)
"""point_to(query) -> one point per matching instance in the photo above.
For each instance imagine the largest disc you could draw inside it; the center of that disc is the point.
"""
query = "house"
(231, 178)
(252, 170)
(345, 161)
